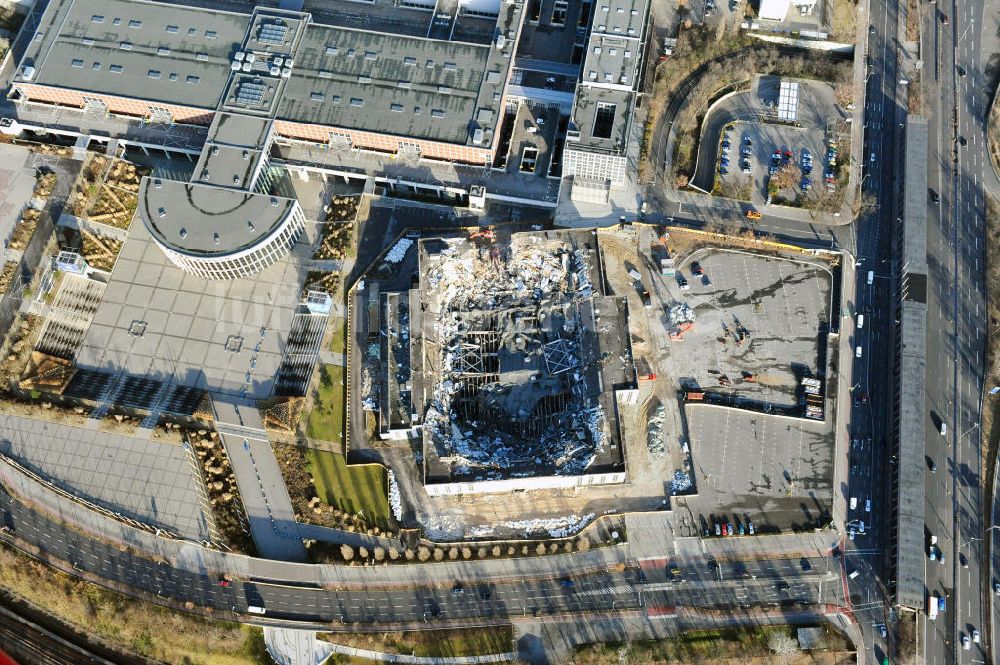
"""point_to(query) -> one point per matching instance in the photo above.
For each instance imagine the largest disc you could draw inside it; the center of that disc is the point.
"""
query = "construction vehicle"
(487, 238)
(753, 214)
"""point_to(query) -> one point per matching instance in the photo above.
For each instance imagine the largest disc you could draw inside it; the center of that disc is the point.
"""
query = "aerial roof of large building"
(155, 51)
(349, 78)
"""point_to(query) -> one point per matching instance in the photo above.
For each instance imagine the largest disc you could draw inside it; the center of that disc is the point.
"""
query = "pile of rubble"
(654, 432)
(395, 501)
(681, 483)
(547, 281)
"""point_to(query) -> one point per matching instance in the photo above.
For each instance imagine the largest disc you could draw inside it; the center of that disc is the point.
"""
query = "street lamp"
(975, 426)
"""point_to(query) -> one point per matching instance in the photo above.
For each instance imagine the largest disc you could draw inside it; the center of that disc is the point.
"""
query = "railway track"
(31, 644)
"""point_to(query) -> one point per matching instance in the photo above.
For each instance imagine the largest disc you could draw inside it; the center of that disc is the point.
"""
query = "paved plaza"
(151, 482)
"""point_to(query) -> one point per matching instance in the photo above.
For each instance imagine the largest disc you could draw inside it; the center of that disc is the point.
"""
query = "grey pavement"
(288, 646)
(420, 660)
(17, 184)
(265, 499)
(152, 482)
(328, 357)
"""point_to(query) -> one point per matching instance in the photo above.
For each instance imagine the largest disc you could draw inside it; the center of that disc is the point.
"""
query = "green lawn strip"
(443, 643)
(696, 645)
(350, 488)
(338, 343)
(326, 420)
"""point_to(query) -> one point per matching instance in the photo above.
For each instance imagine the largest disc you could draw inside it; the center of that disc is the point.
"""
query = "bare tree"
(438, 554)
(466, 553)
(540, 549)
(393, 554)
(452, 553)
(423, 553)
(496, 550)
(346, 552)
(379, 554)
(781, 643)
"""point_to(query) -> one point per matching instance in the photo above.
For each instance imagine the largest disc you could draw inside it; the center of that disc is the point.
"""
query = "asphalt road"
(870, 423)
(701, 582)
(956, 323)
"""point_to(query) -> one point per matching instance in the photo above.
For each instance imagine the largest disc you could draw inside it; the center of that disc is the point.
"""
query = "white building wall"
(513, 484)
(595, 166)
(249, 262)
(773, 10)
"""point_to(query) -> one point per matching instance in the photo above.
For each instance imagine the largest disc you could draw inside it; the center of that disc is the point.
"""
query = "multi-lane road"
(696, 582)
(955, 84)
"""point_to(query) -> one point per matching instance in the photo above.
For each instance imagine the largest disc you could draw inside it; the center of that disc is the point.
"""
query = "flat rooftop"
(129, 48)
(203, 220)
(601, 116)
(350, 78)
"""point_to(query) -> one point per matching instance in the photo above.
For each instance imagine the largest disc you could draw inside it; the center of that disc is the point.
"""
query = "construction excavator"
(486, 239)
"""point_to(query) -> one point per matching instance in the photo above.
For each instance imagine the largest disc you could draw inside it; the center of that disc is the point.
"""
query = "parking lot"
(759, 324)
(773, 471)
(741, 138)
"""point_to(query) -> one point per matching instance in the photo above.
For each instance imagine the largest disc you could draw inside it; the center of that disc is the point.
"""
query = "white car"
(975, 636)
(851, 533)
(966, 644)
(872, 158)
(944, 428)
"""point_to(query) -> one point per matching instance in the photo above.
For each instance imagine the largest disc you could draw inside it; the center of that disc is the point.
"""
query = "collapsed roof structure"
(520, 355)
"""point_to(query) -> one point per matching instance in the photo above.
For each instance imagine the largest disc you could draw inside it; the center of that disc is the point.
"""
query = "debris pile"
(680, 483)
(654, 432)
(398, 251)
(395, 502)
(513, 332)
(680, 319)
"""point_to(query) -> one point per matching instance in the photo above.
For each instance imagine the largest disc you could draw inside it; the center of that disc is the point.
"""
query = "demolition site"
(504, 359)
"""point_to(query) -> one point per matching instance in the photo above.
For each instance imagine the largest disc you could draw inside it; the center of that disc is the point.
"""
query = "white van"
(854, 502)
(861, 526)
(857, 352)
(871, 276)
(853, 574)
(861, 321)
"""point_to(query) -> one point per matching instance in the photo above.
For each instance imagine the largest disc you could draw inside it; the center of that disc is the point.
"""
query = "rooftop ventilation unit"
(247, 65)
(28, 72)
(278, 60)
(275, 70)
(183, 233)
(250, 57)
(235, 65)
(286, 72)
(501, 41)
(215, 238)
(239, 56)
